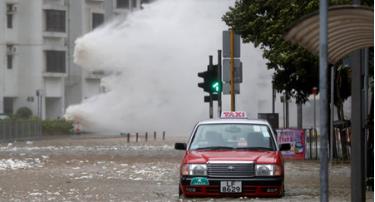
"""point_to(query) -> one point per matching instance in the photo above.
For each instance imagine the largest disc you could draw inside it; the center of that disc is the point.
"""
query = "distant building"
(36, 52)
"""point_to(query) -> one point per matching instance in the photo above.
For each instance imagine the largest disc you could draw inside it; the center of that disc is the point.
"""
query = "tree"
(342, 89)
(24, 113)
(263, 23)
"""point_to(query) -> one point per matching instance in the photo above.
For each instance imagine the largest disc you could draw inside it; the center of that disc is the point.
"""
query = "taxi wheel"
(282, 194)
(179, 192)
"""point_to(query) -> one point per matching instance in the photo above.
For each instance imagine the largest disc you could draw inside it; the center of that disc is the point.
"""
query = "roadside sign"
(237, 70)
(226, 45)
(296, 139)
(226, 88)
(232, 50)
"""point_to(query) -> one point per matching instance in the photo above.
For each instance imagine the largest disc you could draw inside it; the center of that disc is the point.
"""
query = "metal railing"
(11, 130)
(146, 136)
(341, 146)
(312, 144)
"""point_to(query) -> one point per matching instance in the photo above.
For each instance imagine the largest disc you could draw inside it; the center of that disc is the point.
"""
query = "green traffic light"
(215, 87)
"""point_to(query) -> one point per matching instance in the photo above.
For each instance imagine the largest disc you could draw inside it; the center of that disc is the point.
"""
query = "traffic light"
(215, 83)
(205, 82)
(211, 83)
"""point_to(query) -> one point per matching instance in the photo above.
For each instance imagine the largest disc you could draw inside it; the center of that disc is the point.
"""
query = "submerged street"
(107, 168)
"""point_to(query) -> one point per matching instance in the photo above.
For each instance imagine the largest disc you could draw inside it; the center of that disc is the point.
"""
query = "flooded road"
(93, 168)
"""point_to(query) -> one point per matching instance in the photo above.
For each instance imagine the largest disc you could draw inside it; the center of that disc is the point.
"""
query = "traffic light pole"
(211, 107)
(211, 100)
(219, 103)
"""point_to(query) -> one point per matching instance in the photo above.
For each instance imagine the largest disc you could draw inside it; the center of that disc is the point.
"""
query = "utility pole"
(323, 55)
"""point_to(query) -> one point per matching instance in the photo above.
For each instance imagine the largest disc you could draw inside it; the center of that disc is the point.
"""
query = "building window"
(10, 54)
(146, 1)
(55, 61)
(11, 9)
(9, 21)
(8, 105)
(97, 20)
(122, 4)
(10, 61)
(55, 20)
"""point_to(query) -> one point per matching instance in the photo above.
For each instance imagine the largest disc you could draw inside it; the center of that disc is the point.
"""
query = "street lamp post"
(323, 107)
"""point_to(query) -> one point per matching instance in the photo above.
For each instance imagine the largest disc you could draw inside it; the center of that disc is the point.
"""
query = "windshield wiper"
(255, 148)
(214, 148)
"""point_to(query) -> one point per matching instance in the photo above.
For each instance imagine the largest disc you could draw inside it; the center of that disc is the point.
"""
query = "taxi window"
(233, 136)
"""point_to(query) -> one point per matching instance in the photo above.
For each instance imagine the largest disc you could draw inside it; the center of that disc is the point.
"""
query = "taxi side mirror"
(180, 146)
(284, 147)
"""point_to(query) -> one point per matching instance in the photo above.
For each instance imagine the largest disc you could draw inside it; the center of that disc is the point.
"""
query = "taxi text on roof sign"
(233, 115)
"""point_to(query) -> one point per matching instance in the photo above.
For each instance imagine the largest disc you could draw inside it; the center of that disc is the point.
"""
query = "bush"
(24, 113)
(57, 127)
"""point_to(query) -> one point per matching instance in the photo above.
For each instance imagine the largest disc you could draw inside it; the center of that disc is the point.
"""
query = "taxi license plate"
(230, 186)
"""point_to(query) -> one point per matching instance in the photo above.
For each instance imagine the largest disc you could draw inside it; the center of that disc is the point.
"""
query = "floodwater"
(96, 168)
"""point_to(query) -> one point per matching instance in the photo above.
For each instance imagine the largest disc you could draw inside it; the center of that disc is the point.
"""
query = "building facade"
(36, 52)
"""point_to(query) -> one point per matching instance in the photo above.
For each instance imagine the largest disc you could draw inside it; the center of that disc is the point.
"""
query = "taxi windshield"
(233, 136)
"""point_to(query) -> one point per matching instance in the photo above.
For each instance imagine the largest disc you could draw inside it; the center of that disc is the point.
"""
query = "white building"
(36, 47)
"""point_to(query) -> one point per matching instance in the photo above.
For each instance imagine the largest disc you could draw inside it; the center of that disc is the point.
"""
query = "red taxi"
(232, 156)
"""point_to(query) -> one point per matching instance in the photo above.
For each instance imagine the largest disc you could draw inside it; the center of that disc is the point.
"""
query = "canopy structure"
(350, 28)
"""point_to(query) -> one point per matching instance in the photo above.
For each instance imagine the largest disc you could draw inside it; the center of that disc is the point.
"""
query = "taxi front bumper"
(251, 187)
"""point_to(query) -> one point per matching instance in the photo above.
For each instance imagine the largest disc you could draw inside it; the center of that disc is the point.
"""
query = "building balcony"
(51, 34)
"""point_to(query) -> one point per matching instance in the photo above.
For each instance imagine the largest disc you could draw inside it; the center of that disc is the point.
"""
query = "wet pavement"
(95, 168)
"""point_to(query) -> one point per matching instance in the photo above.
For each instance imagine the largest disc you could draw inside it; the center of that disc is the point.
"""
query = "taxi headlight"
(194, 169)
(267, 170)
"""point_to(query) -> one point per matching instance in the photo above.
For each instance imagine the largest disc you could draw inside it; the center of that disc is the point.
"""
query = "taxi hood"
(203, 156)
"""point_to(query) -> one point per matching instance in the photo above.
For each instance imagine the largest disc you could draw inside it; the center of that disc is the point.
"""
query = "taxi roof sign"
(233, 115)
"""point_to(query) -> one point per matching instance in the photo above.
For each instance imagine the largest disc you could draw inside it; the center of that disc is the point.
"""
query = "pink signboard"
(296, 139)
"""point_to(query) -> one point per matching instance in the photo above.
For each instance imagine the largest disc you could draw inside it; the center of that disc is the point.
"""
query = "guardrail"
(11, 130)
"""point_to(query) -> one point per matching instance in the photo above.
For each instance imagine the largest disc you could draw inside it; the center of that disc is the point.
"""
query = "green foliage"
(264, 23)
(342, 84)
(57, 127)
(23, 113)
